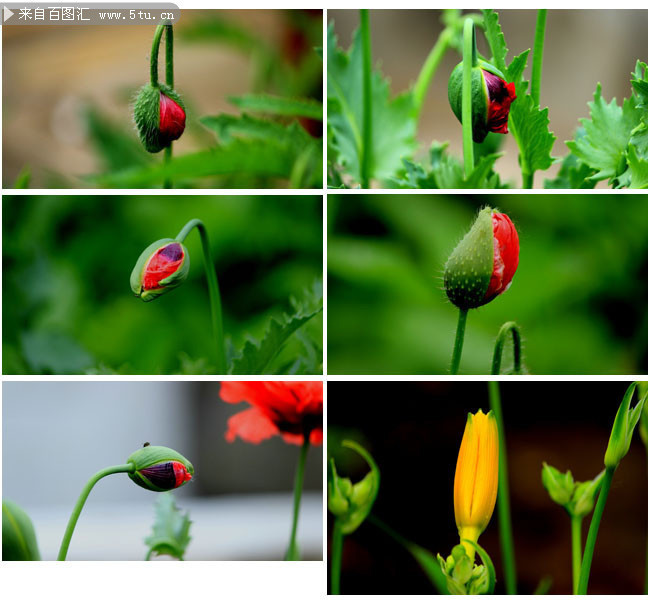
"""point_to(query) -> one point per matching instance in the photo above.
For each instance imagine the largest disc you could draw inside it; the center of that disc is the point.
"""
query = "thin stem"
(593, 531)
(527, 180)
(576, 550)
(167, 182)
(503, 496)
(458, 344)
(213, 290)
(366, 144)
(72, 522)
(469, 59)
(153, 59)
(337, 556)
(538, 52)
(292, 553)
(169, 80)
(429, 69)
(510, 327)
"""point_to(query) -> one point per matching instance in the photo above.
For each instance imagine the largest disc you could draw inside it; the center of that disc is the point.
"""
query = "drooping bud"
(491, 99)
(160, 468)
(624, 423)
(18, 534)
(560, 486)
(159, 116)
(483, 264)
(351, 503)
(161, 267)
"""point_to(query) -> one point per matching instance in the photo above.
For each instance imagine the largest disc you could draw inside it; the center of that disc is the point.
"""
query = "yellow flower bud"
(477, 477)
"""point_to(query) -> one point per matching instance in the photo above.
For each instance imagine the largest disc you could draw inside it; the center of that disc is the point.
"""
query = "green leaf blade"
(171, 529)
(276, 105)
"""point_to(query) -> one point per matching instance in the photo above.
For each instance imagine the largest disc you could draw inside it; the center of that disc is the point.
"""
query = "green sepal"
(351, 503)
(584, 496)
(153, 455)
(167, 284)
(18, 534)
(469, 267)
(559, 486)
(624, 423)
(146, 112)
(479, 99)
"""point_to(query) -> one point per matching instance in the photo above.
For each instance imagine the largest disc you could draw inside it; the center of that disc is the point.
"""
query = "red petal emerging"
(181, 474)
(506, 255)
(500, 96)
(293, 409)
(172, 118)
(162, 264)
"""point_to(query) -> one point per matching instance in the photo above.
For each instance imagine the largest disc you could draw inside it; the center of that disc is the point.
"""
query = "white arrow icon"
(7, 14)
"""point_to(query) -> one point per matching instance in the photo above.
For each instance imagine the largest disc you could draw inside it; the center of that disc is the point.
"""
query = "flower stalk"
(512, 328)
(366, 144)
(469, 61)
(293, 554)
(458, 342)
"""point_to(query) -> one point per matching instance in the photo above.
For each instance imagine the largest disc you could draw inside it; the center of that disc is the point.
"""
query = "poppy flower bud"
(161, 267)
(159, 116)
(483, 264)
(491, 99)
(351, 503)
(159, 468)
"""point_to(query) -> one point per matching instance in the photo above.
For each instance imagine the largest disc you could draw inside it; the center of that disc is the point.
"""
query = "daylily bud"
(463, 577)
(491, 99)
(351, 503)
(159, 116)
(623, 428)
(18, 535)
(159, 468)
(477, 477)
(161, 267)
(560, 486)
(584, 496)
(483, 264)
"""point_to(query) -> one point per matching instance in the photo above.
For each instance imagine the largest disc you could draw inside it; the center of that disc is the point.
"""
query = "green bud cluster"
(463, 576)
(578, 498)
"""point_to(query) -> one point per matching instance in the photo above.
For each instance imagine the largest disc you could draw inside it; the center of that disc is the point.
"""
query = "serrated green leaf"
(171, 529)
(534, 139)
(393, 121)
(495, 39)
(277, 105)
(639, 83)
(573, 174)
(607, 135)
(256, 357)
(636, 175)
(515, 72)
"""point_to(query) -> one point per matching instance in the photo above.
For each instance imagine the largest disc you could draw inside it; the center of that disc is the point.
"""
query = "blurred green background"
(580, 295)
(68, 307)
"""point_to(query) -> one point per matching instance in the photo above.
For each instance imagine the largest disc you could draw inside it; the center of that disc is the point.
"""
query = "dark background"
(414, 430)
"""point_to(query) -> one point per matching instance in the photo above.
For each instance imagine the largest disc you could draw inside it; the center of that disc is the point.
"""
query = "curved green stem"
(336, 559)
(169, 80)
(293, 553)
(510, 327)
(593, 531)
(153, 59)
(366, 145)
(576, 550)
(458, 343)
(72, 522)
(429, 69)
(469, 60)
(213, 290)
(538, 52)
(503, 496)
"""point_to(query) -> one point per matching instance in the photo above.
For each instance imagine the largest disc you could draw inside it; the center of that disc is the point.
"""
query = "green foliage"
(18, 534)
(275, 105)
(171, 529)
(393, 120)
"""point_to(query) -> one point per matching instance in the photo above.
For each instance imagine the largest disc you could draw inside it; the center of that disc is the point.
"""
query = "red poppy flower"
(506, 255)
(162, 264)
(500, 97)
(172, 119)
(292, 409)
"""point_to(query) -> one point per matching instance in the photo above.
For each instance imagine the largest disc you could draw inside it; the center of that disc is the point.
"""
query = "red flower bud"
(161, 267)
(163, 263)
(172, 119)
(500, 97)
(483, 264)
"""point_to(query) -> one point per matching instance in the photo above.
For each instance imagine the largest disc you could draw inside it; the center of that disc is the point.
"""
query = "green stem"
(527, 179)
(510, 327)
(593, 531)
(503, 496)
(72, 522)
(469, 60)
(458, 344)
(366, 145)
(576, 550)
(429, 69)
(167, 182)
(337, 556)
(292, 553)
(538, 52)
(169, 80)
(153, 59)
(213, 290)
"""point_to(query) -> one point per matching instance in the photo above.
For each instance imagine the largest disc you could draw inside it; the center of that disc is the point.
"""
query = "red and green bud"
(159, 468)
(159, 116)
(161, 267)
(491, 99)
(483, 264)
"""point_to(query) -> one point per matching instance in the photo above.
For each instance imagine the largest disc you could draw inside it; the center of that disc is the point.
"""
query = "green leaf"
(495, 39)
(573, 174)
(23, 179)
(54, 353)
(393, 121)
(276, 105)
(256, 357)
(430, 565)
(171, 529)
(534, 139)
(607, 136)
(18, 534)
(636, 175)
